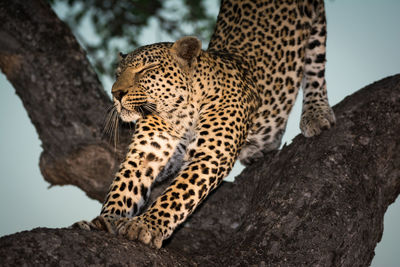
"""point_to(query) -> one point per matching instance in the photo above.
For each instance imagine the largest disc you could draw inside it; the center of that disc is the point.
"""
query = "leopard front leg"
(153, 144)
(186, 192)
(208, 160)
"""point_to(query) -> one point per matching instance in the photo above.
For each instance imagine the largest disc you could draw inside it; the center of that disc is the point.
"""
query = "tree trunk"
(317, 202)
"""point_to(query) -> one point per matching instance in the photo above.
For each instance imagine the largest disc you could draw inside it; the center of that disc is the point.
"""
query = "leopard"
(198, 111)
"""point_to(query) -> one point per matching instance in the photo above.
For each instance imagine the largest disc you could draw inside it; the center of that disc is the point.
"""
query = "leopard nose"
(122, 85)
(119, 94)
(119, 89)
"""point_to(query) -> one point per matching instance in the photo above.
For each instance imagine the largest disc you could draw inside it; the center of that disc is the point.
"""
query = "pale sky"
(363, 47)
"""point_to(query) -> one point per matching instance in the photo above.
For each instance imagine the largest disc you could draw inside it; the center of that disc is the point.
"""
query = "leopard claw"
(100, 223)
(84, 225)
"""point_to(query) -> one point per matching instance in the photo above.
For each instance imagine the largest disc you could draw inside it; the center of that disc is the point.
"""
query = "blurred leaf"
(119, 23)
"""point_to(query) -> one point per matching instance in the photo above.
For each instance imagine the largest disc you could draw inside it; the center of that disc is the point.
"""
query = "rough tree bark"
(62, 95)
(317, 202)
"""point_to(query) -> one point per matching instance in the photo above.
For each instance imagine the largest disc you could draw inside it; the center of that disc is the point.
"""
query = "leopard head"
(156, 78)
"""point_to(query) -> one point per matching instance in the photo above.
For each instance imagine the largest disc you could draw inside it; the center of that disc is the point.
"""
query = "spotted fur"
(197, 111)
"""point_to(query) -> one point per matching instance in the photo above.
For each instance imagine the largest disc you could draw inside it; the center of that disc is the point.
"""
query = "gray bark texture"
(316, 202)
(62, 95)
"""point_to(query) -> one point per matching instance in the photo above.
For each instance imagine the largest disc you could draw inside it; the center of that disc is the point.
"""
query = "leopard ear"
(186, 50)
(121, 56)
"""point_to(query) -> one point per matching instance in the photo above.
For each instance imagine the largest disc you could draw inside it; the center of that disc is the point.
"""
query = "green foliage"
(117, 25)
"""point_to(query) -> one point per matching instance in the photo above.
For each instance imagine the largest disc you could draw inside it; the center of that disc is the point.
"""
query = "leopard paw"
(84, 225)
(314, 121)
(140, 229)
(100, 223)
(249, 155)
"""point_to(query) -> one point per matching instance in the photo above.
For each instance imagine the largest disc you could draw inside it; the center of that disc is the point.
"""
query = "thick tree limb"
(61, 247)
(62, 95)
(318, 202)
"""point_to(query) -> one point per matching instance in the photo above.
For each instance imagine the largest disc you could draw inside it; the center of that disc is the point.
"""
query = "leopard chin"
(129, 116)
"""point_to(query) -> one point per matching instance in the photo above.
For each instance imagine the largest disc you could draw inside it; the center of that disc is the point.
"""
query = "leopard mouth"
(137, 112)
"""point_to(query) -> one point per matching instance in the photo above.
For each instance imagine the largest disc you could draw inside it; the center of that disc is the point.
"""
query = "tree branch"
(62, 95)
(318, 201)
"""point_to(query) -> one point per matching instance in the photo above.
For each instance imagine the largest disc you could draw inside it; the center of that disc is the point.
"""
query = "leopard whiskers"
(111, 126)
(150, 108)
(141, 111)
(116, 128)
(108, 124)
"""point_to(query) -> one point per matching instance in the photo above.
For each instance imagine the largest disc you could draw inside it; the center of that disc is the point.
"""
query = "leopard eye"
(148, 67)
(117, 72)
